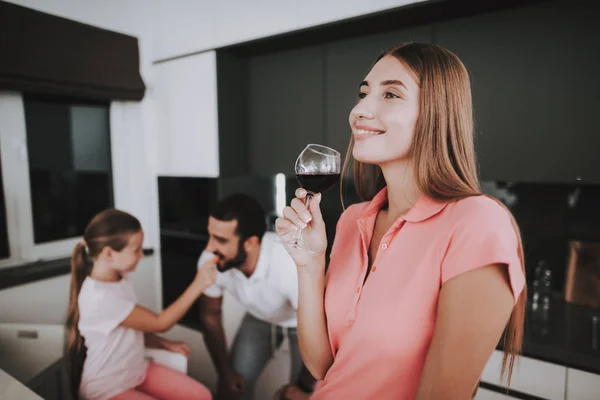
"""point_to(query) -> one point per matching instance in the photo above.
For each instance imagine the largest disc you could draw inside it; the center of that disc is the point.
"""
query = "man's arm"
(153, 341)
(299, 390)
(213, 332)
(305, 382)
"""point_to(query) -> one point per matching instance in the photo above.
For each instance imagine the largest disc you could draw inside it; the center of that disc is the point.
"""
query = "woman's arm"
(310, 261)
(312, 324)
(473, 310)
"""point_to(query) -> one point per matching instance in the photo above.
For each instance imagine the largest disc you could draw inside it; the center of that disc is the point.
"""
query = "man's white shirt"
(271, 292)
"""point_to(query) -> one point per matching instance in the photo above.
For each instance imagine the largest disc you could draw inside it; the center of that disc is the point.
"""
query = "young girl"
(106, 327)
(426, 273)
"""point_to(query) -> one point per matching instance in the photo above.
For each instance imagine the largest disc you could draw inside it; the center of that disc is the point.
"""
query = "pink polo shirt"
(380, 331)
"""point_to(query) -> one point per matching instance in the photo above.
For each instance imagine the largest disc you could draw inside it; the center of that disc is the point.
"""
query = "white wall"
(46, 301)
(185, 94)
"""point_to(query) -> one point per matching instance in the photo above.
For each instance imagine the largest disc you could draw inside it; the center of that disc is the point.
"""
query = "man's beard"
(235, 262)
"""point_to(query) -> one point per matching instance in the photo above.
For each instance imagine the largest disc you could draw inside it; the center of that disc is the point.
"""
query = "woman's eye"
(390, 95)
(362, 95)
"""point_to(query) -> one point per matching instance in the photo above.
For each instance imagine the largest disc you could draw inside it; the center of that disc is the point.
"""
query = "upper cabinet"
(534, 80)
(185, 93)
(285, 108)
(536, 90)
(305, 96)
(347, 63)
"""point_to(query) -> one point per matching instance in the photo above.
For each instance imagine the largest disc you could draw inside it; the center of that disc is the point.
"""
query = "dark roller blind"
(43, 53)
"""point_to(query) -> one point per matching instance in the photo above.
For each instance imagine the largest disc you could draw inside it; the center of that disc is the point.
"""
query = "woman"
(427, 273)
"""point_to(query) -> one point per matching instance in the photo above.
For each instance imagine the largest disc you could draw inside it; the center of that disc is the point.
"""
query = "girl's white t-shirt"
(115, 355)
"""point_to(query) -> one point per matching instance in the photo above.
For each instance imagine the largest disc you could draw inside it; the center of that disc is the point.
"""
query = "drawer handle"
(27, 334)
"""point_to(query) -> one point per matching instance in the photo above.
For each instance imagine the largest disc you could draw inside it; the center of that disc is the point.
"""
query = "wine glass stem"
(298, 235)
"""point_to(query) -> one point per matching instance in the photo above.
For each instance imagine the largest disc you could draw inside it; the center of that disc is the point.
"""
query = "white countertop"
(12, 389)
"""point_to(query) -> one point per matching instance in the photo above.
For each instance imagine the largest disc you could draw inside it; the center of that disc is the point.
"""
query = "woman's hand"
(296, 216)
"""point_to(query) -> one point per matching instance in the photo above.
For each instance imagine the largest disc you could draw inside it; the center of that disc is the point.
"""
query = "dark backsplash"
(549, 216)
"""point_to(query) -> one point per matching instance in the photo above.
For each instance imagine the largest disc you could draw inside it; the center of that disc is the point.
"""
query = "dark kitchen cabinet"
(285, 103)
(536, 90)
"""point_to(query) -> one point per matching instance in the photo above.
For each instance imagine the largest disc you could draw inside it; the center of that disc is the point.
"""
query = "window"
(56, 159)
(68, 147)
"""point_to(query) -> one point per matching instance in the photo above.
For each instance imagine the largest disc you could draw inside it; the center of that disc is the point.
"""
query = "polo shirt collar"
(262, 264)
(424, 208)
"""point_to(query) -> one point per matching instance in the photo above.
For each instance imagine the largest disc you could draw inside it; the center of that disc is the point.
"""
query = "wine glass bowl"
(317, 170)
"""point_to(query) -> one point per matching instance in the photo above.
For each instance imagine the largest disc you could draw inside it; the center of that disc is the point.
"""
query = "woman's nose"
(362, 111)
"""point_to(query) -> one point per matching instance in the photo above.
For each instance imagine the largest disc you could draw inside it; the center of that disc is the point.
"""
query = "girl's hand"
(207, 273)
(177, 347)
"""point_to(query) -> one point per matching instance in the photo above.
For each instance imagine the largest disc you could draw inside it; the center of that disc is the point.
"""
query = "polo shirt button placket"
(351, 316)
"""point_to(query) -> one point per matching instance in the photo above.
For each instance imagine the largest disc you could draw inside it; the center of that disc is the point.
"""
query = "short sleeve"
(103, 311)
(214, 290)
(483, 234)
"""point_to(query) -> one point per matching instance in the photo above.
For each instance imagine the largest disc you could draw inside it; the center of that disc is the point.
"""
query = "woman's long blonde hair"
(111, 228)
(443, 152)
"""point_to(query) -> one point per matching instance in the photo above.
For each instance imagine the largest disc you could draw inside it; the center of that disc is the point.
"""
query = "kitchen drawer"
(484, 394)
(534, 377)
(27, 349)
(582, 385)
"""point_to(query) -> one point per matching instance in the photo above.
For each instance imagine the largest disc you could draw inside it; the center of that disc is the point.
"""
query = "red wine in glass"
(316, 182)
(317, 170)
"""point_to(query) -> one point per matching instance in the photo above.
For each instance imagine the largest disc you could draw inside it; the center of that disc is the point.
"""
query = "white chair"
(174, 361)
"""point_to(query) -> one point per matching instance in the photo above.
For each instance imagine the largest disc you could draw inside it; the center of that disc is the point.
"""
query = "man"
(257, 270)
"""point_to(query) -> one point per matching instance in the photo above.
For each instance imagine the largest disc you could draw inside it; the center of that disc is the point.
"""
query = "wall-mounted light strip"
(280, 200)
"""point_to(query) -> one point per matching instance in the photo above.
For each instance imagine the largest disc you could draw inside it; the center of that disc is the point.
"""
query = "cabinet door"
(582, 385)
(484, 394)
(536, 90)
(285, 108)
(28, 349)
(347, 64)
(533, 377)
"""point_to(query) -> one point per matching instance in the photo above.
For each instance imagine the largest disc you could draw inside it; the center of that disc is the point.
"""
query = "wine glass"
(317, 170)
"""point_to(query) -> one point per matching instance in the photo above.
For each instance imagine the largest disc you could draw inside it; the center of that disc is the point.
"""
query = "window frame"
(17, 187)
